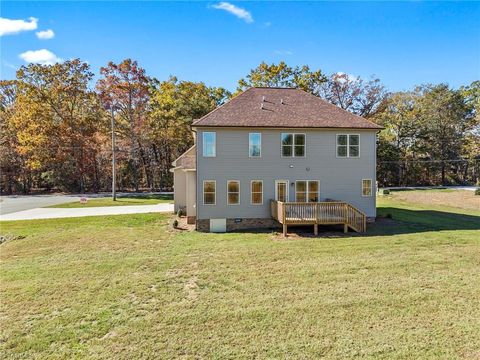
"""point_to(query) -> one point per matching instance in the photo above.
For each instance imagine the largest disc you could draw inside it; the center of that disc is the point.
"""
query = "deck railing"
(318, 213)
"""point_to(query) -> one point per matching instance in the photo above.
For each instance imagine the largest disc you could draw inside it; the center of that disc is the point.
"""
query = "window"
(209, 196)
(233, 192)
(254, 144)
(257, 192)
(348, 145)
(293, 145)
(306, 191)
(367, 187)
(209, 144)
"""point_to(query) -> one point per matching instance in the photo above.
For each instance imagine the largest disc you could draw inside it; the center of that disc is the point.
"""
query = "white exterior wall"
(179, 189)
(191, 193)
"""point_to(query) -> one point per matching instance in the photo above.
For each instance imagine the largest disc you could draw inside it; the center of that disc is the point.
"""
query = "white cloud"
(234, 10)
(10, 27)
(45, 34)
(43, 57)
(342, 77)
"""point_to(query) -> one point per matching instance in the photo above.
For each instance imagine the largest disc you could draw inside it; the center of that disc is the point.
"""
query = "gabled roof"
(187, 160)
(281, 107)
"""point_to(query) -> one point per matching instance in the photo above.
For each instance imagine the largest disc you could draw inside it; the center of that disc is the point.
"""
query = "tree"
(447, 117)
(11, 163)
(354, 94)
(282, 75)
(124, 90)
(174, 105)
(58, 120)
(399, 141)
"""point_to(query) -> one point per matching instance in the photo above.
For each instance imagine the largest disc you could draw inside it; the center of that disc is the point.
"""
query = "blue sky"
(402, 43)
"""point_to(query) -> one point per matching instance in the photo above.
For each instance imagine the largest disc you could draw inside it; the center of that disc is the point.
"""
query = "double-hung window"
(209, 192)
(306, 191)
(348, 145)
(293, 145)
(209, 144)
(233, 192)
(254, 144)
(257, 192)
(367, 187)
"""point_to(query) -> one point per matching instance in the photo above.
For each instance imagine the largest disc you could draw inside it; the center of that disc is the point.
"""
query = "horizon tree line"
(55, 126)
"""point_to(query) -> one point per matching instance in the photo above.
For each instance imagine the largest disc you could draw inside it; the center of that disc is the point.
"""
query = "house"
(274, 156)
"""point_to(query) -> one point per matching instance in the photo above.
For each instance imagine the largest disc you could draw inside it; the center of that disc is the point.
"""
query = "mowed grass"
(129, 287)
(150, 199)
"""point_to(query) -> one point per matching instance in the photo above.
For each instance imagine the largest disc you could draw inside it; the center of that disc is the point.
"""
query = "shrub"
(477, 191)
(175, 224)
(179, 212)
(385, 192)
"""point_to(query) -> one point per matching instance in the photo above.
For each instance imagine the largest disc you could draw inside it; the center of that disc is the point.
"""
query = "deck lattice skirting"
(318, 213)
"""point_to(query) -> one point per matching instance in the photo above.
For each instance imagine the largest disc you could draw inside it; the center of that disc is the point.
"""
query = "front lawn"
(131, 287)
(150, 199)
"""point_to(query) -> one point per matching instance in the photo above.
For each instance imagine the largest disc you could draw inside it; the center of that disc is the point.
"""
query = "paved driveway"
(52, 213)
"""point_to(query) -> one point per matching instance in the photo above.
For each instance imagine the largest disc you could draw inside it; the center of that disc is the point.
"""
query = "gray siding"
(340, 178)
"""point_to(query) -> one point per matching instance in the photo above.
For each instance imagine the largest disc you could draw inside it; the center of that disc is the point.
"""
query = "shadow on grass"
(405, 221)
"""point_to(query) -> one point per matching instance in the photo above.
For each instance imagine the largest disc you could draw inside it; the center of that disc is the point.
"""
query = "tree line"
(56, 122)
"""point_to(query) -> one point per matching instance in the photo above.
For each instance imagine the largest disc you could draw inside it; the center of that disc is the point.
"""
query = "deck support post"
(315, 229)
(285, 230)
(345, 228)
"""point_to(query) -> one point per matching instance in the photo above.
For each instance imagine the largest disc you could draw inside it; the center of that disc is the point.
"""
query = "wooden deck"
(318, 213)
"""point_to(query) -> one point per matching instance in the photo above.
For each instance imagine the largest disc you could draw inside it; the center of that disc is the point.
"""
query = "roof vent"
(263, 98)
(261, 106)
(281, 102)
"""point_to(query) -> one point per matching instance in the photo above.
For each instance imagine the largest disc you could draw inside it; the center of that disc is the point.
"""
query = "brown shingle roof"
(299, 109)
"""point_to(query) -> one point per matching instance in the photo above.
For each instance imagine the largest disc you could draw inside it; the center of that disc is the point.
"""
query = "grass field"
(129, 287)
(151, 199)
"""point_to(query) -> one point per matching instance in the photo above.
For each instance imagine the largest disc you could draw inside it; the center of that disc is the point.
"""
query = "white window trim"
(371, 188)
(251, 192)
(276, 189)
(306, 194)
(238, 181)
(214, 144)
(203, 192)
(293, 145)
(348, 147)
(249, 155)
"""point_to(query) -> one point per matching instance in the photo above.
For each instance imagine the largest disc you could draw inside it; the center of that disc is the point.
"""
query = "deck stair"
(318, 213)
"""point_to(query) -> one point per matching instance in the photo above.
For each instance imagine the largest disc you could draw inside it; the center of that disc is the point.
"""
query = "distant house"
(274, 156)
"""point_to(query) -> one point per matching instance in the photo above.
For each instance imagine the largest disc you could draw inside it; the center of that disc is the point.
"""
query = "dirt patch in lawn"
(460, 199)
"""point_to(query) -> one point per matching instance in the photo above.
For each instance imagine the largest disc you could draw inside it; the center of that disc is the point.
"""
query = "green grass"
(121, 201)
(130, 287)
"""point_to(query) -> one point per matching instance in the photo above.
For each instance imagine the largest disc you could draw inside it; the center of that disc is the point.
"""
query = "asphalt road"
(14, 203)
(11, 204)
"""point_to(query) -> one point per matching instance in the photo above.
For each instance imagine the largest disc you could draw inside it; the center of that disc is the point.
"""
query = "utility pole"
(114, 194)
